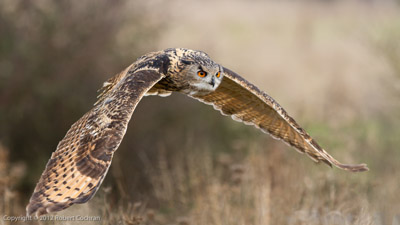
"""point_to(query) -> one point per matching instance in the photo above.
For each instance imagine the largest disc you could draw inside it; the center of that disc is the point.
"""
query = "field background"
(333, 65)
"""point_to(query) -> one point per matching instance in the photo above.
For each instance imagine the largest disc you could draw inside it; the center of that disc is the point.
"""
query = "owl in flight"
(80, 163)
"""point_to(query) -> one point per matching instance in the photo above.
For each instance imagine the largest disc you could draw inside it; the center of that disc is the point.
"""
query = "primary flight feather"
(82, 158)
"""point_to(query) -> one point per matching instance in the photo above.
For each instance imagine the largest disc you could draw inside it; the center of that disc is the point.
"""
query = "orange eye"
(218, 74)
(201, 73)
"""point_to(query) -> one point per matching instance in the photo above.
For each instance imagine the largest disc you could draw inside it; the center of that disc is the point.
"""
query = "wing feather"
(246, 103)
(78, 166)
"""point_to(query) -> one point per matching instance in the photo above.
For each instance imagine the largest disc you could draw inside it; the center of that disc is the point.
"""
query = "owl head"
(202, 74)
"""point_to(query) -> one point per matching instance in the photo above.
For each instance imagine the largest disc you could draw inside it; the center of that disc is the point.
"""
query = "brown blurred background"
(333, 65)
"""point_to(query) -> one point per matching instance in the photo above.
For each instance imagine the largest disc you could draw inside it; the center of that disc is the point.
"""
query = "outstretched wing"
(246, 103)
(81, 161)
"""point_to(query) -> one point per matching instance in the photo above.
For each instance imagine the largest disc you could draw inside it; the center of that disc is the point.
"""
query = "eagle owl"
(82, 158)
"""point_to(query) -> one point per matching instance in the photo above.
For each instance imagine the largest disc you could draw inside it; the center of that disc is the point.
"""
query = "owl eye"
(202, 74)
(218, 74)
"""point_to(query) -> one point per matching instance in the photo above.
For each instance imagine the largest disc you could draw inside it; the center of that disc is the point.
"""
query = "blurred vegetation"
(54, 55)
(334, 66)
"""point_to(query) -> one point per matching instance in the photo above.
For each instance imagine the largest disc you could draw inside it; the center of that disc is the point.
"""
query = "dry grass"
(195, 188)
(334, 67)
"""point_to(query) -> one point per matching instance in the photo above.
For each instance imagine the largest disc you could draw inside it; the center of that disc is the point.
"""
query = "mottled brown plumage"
(81, 160)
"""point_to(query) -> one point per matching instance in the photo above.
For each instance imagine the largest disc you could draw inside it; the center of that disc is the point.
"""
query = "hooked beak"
(212, 81)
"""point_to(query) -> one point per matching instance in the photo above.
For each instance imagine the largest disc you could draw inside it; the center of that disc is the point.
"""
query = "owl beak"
(212, 81)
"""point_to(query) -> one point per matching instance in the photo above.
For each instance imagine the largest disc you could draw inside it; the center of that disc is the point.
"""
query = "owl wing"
(244, 102)
(81, 161)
